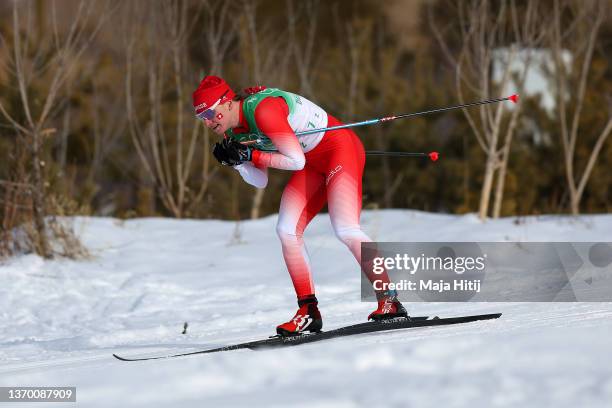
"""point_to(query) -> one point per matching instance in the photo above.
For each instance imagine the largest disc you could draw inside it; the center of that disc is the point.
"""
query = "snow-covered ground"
(60, 321)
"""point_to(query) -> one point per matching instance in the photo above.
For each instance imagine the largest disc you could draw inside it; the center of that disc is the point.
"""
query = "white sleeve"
(253, 175)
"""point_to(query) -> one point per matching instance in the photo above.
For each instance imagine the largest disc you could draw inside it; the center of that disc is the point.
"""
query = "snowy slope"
(60, 321)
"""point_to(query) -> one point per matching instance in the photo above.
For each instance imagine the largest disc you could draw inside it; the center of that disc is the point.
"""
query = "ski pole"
(513, 98)
(433, 156)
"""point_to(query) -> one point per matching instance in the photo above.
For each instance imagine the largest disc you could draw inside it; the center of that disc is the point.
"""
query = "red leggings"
(332, 174)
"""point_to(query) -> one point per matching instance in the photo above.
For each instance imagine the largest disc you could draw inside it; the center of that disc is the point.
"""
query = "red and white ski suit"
(330, 171)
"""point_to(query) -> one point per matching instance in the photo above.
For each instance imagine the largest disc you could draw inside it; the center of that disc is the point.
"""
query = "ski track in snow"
(60, 322)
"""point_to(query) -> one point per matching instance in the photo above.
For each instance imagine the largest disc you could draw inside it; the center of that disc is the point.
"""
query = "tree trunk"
(485, 194)
(257, 202)
(503, 167)
(39, 198)
(499, 188)
(575, 204)
(571, 184)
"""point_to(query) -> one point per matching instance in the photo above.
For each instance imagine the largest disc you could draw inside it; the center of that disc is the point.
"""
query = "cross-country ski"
(362, 328)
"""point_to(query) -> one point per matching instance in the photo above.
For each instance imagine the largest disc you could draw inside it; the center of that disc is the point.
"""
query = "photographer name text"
(455, 285)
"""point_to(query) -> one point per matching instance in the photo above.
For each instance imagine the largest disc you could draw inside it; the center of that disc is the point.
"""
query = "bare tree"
(486, 28)
(168, 159)
(268, 60)
(109, 124)
(15, 199)
(356, 33)
(388, 60)
(528, 32)
(55, 60)
(578, 35)
(220, 33)
(303, 47)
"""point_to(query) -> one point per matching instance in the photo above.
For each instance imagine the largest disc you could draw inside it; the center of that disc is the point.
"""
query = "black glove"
(231, 153)
(237, 152)
(220, 153)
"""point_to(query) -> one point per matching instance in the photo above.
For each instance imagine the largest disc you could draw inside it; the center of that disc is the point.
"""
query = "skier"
(259, 132)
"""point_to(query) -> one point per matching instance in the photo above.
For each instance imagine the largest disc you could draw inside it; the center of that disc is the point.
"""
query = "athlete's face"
(223, 119)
